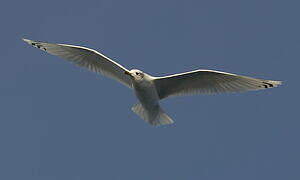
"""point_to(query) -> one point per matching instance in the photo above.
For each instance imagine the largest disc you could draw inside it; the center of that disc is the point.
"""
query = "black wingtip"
(270, 84)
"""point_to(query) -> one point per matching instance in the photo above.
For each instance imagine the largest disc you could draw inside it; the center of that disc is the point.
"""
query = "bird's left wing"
(208, 82)
(85, 57)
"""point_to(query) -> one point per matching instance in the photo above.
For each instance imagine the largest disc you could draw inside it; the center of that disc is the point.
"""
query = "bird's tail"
(159, 118)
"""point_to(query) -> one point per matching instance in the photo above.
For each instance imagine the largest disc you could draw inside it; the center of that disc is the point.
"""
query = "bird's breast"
(146, 93)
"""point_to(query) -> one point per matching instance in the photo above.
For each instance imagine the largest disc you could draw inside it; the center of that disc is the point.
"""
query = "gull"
(150, 89)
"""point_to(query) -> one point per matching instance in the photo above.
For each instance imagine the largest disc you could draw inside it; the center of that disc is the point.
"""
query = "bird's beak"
(127, 73)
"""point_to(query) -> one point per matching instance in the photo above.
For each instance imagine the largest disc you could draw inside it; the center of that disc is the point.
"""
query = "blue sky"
(61, 122)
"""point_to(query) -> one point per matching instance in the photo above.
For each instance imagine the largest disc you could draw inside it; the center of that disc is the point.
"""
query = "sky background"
(61, 122)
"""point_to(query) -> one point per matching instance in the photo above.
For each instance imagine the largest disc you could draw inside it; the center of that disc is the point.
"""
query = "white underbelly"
(147, 95)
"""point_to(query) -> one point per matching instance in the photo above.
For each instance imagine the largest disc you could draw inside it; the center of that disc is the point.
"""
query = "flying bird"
(150, 89)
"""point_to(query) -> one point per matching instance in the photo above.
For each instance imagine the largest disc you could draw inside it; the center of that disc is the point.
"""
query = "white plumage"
(208, 82)
(149, 89)
(85, 57)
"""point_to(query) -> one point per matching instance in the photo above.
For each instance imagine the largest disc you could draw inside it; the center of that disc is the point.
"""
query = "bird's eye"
(137, 73)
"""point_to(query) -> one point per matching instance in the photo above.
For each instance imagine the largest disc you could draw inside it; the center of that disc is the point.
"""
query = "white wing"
(208, 82)
(87, 58)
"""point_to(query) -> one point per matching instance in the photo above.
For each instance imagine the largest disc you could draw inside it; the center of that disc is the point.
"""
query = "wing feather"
(208, 82)
(85, 57)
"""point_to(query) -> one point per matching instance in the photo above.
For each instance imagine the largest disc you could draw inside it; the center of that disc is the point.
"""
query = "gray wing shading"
(85, 57)
(208, 82)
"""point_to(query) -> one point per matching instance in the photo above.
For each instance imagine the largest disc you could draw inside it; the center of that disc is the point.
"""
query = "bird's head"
(136, 74)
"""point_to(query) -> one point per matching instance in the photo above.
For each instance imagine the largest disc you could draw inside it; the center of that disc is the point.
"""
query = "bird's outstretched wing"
(85, 57)
(208, 82)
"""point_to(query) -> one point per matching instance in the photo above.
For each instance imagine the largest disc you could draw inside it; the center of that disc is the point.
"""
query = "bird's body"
(146, 92)
(149, 89)
(148, 108)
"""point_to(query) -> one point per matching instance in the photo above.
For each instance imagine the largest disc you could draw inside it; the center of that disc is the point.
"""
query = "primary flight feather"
(149, 89)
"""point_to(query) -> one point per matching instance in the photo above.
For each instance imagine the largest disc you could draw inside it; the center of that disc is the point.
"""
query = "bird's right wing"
(208, 82)
(87, 58)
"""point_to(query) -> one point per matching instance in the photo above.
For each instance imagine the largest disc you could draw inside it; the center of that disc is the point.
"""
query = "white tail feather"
(159, 118)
